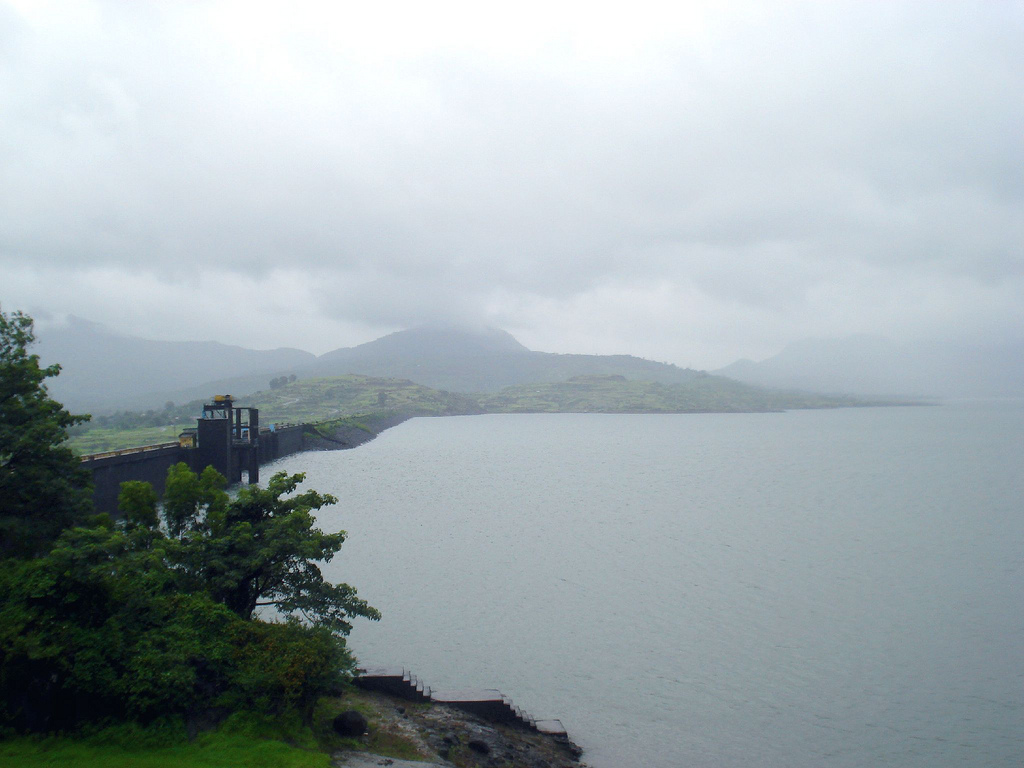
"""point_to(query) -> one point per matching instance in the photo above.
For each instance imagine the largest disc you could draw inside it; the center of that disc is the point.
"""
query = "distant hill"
(350, 395)
(312, 400)
(616, 394)
(357, 401)
(464, 360)
(103, 370)
(874, 365)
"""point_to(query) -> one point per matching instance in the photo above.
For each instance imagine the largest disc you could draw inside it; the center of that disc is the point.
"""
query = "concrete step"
(396, 681)
(398, 672)
(551, 728)
(488, 703)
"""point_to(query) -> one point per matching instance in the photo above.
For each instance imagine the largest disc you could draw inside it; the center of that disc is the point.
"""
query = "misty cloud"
(693, 188)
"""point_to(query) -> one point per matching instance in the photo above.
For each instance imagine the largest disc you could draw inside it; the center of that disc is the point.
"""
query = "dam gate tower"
(228, 439)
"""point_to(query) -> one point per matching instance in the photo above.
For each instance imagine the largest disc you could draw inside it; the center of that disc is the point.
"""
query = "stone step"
(551, 727)
(396, 681)
(489, 695)
(398, 672)
(488, 703)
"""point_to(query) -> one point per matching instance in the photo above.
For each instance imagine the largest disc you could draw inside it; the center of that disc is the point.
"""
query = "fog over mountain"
(874, 365)
(462, 359)
(103, 371)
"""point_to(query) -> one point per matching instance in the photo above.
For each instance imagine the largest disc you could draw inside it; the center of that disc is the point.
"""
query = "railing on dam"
(126, 451)
(264, 431)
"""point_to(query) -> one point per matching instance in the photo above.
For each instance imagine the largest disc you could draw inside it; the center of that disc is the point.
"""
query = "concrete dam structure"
(227, 437)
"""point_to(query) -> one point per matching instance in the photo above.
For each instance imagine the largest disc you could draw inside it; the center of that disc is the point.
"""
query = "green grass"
(244, 740)
(219, 749)
(103, 439)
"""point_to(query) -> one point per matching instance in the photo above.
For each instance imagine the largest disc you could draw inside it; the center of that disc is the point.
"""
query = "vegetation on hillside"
(314, 400)
(352, 400)
(103, 439)
(617, 394)
(295, 402)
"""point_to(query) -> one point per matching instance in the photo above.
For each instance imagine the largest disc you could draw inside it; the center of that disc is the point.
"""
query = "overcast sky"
(689, 182)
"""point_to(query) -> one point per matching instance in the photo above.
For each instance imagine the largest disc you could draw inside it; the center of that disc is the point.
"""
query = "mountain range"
(103, 371)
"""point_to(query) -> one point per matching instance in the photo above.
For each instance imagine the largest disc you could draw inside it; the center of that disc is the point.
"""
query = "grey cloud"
(796, 151)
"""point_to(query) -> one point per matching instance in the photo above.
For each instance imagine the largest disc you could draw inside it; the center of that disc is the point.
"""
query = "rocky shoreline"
(342, 434)
(446, 737)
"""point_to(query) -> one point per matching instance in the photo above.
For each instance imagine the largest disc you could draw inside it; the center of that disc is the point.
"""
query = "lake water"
(813, 588)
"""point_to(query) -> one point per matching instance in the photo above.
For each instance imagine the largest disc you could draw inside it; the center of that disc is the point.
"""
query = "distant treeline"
(185, 415)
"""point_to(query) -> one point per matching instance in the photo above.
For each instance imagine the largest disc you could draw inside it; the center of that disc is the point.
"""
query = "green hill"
(319, 399)
(616, 394)
(104, 372)
(380, 402)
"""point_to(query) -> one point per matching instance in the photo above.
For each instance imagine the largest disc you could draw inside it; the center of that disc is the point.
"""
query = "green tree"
(265, 551)
(43, 488)
(189, 500)
(260, 549)
(137, 502)
(157, 615)
(154, 616)
(100, 627)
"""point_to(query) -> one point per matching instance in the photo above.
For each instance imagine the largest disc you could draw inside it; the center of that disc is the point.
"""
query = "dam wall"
(150, 463)
(282, 441)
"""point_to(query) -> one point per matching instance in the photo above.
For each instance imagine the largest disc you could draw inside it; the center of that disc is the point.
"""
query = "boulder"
(350, 724)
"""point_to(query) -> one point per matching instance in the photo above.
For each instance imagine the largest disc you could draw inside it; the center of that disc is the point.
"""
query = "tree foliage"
(99, 628)
(260, 549)
(43, 488)
(156, 615)
(281, 381)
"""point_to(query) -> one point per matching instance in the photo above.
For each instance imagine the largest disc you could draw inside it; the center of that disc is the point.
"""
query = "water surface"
(839, 588)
